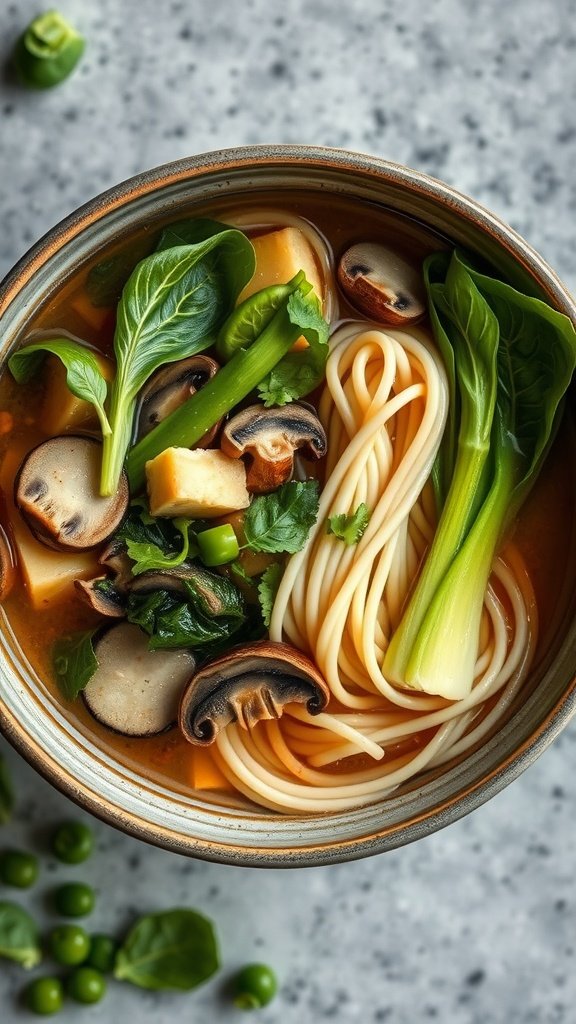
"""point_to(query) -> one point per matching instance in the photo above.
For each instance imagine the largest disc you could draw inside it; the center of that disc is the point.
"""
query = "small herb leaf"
(173, 949)
(19, 938)
(74, 663)
(281, 521)
(350, 528)
(268, 588)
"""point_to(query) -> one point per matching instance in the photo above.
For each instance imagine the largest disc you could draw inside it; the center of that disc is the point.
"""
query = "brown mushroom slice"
(169, 388)
(247, 685)
(381, 284)
(135, 691)
(116, 559)
(7, 565)
(102, 596)
(57, 493)
(270, 437)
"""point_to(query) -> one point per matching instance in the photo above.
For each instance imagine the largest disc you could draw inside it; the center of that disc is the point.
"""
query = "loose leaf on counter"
(350, 528)
(173, 949)
(74, 663)
(83, 373)
(19, 938)
(281, 521)
(6, 793)
(268, 588)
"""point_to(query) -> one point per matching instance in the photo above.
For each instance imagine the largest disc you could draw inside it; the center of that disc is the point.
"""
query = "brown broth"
(544, 532)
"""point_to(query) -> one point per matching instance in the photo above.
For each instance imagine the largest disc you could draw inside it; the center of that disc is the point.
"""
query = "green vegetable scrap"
(350, 528)
(19, 939)
(18, 868)
(281, 521)
(47, 51)
(173, 949)
(513, 358)
(268, 588)
(254, 987)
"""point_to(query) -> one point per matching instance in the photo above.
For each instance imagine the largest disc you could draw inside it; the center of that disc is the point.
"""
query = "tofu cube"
(279, 256)
(203, 483)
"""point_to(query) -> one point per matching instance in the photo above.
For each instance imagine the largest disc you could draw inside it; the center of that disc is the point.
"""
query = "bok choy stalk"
(298, 313)
(513, 358)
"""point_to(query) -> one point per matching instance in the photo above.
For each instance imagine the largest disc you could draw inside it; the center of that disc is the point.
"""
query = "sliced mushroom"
(135, 691)
(270, 437)
(173, 580)
(381, 284)
(248, 685)
(116, 558)
(102, 596)
(7, 565)
(56, 491)
(169, 388)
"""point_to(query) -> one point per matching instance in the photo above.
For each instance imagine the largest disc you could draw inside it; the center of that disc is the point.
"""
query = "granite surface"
(477, 924)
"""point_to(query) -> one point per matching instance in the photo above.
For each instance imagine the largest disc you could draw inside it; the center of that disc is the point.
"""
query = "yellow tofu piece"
(48, 575)
(203, 483)
(279, 256)
(204, 772)
(61, 410)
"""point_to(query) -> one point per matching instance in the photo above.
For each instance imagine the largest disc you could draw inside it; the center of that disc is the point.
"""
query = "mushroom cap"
(7, 565)
(249, 684)
(381, 284)
(106, 601)
(169, 388)
(57, 492)
(270, 437)
(135, 691)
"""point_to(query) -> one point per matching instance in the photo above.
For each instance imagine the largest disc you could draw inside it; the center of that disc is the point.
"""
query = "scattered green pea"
(74, 899)
(86, 985)
(69, 944)
(47, 51)
(102, 953)
(44, 996)
(72, 842)
(18, 868)
(254, 986)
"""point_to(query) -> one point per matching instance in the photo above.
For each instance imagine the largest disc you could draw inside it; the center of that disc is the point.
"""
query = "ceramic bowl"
(29, 715)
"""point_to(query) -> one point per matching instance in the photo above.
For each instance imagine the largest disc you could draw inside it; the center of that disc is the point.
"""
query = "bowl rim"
(280, 157)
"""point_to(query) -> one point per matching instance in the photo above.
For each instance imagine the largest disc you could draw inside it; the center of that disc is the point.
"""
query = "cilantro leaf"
(268, 588)
(298, 373)
(350, 528)
(281, 521)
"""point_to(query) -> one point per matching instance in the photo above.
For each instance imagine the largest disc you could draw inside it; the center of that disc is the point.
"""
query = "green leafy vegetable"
(83, 374)
(171, 308)
(246, 368)
(268, 588)
(150, 556)
(298, 373)
(47, 51)
(252, 316)
(155, 543)
(190, 232)
(173, 949)
(281, 521)
(207, 610)
(74, 663)
(513, 359)
(19, 939)
(6, 792)
(350, 528)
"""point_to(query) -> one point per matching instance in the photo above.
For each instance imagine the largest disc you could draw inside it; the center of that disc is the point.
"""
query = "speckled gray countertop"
(477, 924)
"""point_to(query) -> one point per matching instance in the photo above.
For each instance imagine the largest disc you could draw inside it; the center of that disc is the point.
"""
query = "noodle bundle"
(384, 410)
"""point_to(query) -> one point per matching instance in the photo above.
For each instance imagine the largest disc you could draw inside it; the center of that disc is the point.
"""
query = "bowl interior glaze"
(29, 715)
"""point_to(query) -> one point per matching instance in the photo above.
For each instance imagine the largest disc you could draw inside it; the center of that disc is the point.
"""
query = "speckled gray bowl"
(32, 719)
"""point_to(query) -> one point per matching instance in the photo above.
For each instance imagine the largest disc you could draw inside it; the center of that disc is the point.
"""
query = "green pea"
(218, 545)
(47, 51)
(18, 868)
(69, 944)
(72, 842)
(102, 953)
(44, 996)
(74, 899)
(254, 986)
(86, 985)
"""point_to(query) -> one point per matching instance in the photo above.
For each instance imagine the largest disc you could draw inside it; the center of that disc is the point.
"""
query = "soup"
(330, 614)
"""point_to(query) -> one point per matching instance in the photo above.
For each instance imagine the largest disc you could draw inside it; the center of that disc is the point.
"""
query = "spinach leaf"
(74, 663)
(350, 528)
(207, 610)
(155, 543)
(107, 278)
(190, 232)
(19, 939)
(6, 793)
(151, 556)
(281, 521)
(171, 308)
(268, 588)
(83, 374)
(173, 949)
